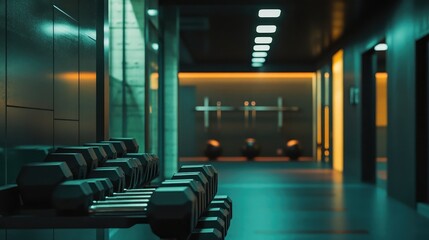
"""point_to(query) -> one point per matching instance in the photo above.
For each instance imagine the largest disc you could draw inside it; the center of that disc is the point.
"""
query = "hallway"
(306, 201)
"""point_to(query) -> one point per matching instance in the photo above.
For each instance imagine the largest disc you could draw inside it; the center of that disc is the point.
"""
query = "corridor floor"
(300, 201)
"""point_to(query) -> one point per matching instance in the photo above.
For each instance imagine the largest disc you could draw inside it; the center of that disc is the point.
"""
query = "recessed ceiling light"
(155, 46)
(261, 48)
(269, 13)
(258, 60)
(257, 64)
(266, 29)
(263, 40)
(381, 47)
(259, 54)
(152, 12)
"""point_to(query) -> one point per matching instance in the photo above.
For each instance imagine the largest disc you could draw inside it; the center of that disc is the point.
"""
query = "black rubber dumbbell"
(225, 198)
(119, 146)
(224, 205)
(37, 181)
(74, 161)
(101, 155)
(108, 148)
(107, 185)
(129, 168)
(149, 162)
(213, 222)
(88, 154)
(170, 211)
(115, 174)
(208, 173)
(217, 212)
(198, 176)
(130, 143)
(206, 234)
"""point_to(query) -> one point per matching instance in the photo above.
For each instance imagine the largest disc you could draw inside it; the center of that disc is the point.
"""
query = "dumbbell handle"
(137, 208)
(129, 197)
(115, 201)
(123, 194)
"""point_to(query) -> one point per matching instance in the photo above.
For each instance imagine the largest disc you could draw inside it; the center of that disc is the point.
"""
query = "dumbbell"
(75, 162)
(208, 172)
(131, 167)
(213, 223)
(108, 148)
(130, 143)
(119, 146)
(103, 185)
(115, 174)
(223, 205)
(101, 155)
(88, 154)
(170, 211)
(206, 234)
(152, 169)
(37, 181)
(226, 199)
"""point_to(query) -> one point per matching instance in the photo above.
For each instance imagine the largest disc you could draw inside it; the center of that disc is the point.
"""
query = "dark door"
(368, 88)
(422, 129)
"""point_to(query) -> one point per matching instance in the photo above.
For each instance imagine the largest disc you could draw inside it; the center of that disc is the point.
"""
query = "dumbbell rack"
(48, 218)
(183, 207)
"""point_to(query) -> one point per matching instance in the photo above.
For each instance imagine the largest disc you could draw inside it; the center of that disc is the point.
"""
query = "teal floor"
(300, 201)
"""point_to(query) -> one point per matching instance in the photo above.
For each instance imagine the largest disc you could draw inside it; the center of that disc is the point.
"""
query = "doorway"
(374, 115)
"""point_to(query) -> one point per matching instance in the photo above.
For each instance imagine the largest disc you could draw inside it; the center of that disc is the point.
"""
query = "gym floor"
(305, 200)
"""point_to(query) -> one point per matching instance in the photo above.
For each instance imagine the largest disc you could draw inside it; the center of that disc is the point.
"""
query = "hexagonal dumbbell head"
(197, 176)
(107, 185)
(115, 174)
(108, 148)
(196, 188)
(155, 159)
(208, 173)
(37, 181)
(206, 234)
(213, 222)
(130, 143)
(101, 155)
(225, 198)
(87, 153)
(72, 197)
(147, 165)
(127, 166)
(119, 146)
(170, 212)
(74, 161)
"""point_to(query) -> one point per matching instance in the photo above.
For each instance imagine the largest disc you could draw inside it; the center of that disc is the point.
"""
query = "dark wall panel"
(401, 91)
(66, 133)
(29, 50)
(66, 66)
(2, 90)
(30, 135)
(87, 64)
(87, 91)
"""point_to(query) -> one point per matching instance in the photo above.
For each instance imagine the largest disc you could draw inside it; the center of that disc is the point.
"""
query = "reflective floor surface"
(293, 200)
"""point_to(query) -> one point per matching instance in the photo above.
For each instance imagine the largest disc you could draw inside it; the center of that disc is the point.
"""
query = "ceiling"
(219, 35)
